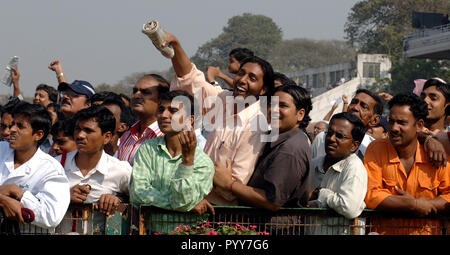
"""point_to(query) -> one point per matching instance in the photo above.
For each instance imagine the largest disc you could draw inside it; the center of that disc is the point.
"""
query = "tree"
(299, 54)
(378, 26)
(255, 32)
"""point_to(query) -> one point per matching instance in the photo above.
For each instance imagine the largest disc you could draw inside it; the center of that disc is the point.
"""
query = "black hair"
(443, 87)
(241, 53)
(51, 91)
(268, 78)
(283, 78)
(302, 100)
(126, 115)
(358, 131)
(175, 93)
(103, 116)
(122, 95)
(104, 95)
(57, 108)
(66, 125)
(417, 106)
(379, 103)
(10, 105)
(37, 115)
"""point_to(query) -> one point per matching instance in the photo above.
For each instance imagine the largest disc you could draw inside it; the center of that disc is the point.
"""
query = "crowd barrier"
(82, 219)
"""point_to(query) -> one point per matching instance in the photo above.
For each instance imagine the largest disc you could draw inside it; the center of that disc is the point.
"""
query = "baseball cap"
(79, 86)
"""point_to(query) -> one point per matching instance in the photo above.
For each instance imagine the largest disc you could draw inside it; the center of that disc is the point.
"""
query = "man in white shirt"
(30, 178)
(339, 179)
(95, 176)
(368, 107)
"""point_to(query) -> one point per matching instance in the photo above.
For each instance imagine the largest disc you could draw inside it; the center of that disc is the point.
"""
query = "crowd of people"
(189, 144)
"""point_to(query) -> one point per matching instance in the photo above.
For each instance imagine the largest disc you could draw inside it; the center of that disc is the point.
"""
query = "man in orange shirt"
(400, 175)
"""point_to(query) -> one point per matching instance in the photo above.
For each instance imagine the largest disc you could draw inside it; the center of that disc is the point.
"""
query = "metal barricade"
(287, 221)
(80, 219)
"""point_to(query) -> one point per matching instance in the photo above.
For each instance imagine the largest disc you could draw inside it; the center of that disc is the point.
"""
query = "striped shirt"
(161, 180)
(130, 141)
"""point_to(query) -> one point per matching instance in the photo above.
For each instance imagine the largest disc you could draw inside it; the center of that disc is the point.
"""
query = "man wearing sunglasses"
(339, 179)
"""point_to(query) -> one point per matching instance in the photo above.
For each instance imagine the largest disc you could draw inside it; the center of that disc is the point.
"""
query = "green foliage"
(378, 26)
(256, 32)
(207, 228)
(299, 54)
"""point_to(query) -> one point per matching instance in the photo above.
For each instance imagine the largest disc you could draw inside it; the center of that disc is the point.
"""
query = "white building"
(360, 73)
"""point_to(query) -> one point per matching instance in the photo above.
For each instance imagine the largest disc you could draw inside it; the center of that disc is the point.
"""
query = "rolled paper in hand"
(154, 31)
(27, 215)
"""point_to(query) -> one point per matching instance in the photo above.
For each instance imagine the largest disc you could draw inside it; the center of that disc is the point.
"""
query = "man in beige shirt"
(237, 133)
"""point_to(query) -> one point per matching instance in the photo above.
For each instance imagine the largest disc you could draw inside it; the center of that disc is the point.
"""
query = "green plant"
(206, 228)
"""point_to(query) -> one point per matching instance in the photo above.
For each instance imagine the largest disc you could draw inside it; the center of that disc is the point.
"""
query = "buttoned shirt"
(130, 141)
(42, 178)
(343, 185)
(238, 138)
(283, 170)
(385, 171)
(160, 180)
(109, 176)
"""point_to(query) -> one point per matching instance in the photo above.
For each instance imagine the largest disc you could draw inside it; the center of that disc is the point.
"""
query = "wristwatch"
(215, 83)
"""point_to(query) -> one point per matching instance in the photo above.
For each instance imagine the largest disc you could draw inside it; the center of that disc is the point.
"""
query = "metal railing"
(147, 220)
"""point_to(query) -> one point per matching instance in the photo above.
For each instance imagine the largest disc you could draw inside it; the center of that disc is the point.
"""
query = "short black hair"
(283, 78)
(241, 53)
(57, 108)
(417, 106)
(100, 114)
(10, 105)
(441, 85)
(175, 93)
(379, 103)
(358, 131)
(67, 126)
(51, 91)
(302, 100)
(37, 115)
(268, 78)
(103, 95)
(126, 115)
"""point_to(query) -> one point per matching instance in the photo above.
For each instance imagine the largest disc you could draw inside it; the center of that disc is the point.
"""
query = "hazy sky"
(101, 41)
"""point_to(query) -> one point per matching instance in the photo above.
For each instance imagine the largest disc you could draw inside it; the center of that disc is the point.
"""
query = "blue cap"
(384, 123)
(79, 86)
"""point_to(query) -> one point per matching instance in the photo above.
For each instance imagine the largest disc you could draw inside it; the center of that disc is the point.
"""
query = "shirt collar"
(249, 112)
(421, 155)
(163, 148)
(136, 127)
(102, 165)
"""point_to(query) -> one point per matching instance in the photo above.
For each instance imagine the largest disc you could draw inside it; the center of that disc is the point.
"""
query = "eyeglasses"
(338, 135)
(69, 93)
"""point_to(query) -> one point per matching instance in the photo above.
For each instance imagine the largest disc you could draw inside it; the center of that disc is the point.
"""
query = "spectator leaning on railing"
(94, 176)
(401, 177)
(29, 177)
(282, 173)
(240, 143)
(339, 179)
(171, 171)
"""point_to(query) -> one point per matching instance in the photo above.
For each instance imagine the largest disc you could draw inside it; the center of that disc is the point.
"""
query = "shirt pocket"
(390, 184)
(428, 188)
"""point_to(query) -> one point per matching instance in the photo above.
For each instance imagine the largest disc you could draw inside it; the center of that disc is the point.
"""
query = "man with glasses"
(144, 104)
(342, 182)
(75, 96)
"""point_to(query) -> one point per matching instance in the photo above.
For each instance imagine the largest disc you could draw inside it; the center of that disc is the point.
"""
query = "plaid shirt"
(161, 180)
(130, 141)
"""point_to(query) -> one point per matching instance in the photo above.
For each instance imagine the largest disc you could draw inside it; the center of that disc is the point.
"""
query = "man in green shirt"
(171, 172)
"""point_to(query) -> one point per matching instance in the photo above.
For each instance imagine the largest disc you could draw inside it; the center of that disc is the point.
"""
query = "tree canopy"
(258, 33)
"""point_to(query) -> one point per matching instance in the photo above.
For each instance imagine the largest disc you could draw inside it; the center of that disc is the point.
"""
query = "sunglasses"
(338, 135)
